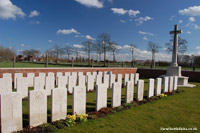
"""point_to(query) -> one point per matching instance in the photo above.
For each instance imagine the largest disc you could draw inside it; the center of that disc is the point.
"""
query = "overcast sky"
(39, 24)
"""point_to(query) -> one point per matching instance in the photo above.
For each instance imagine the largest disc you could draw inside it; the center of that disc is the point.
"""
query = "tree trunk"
(14, 60)
(104, 55)
(132, 60)
(68, 56)
(46, 60)
(100, 57)
(113, 57)
(154, 62)
(97, 57)
(89, 57)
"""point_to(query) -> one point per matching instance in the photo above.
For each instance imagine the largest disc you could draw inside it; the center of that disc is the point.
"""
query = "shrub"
(162, 95)
(70, 120)
(82, 117)
(120, 108)
(48, 127)
(59, 124)
(127, 105)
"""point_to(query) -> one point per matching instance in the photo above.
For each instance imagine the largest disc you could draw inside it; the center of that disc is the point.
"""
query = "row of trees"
(6, 54)
(154, 48)
(102, 45)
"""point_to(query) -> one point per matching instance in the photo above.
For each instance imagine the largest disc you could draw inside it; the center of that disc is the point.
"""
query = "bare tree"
(87, 46)
(77, 49)
(182, 45)
(58, 51)
(114, 47)
(68, 50)
(98, 48)
(31, 52)
(6, 54)
(131, 48)
(51, 52)
(153, 48)
(104, 39)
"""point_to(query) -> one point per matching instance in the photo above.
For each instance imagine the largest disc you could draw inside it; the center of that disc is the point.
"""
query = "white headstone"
(175, 83)
(112, 79)
(150, 91)
(166, 84)
(126, 79)
(11, 112)
(94, 74)
(88, 73)
(37, 107)
(74, 74)
(140, 90)
(71, 84)
(39, 83)
(80, 73)
(109, 72)
(67, 74)
(106, 80)
(42, 75)
(129, 91)
(79, 100)
(51, 74)
(86, 76)
(30, 77)
(59, 104)
(7, 75)
(101, 96)
(58, 74)
(22, 86)
(119, 78)
(132, 77)
(99, 79)
(171, 82)
(158, 86)
(62, 81)
(90, 84)
(105, 72)
(17, 75)
(116, 95)
(136, 77)
(81, 80)
(50, 84)
(100, 73)
(5, 85)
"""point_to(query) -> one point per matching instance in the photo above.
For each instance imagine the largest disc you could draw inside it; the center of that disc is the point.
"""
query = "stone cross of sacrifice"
(175, 45)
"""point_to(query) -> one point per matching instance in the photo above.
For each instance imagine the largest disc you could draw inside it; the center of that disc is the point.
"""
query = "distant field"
(82, 64)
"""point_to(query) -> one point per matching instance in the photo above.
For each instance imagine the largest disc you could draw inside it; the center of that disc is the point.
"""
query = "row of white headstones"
(11, 102)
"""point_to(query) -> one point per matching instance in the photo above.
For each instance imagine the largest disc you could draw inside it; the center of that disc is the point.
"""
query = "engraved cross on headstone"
(175, 45)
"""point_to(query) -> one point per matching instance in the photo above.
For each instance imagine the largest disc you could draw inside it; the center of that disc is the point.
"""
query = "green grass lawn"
(179, 110)
(81, 64)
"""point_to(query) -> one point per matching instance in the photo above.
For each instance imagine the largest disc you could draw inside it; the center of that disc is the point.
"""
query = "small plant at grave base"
(135, 104)
(163, 95)
(120, 108)
(47, 127)
(82, 117)
(59, 124)
(127, 105)
(70, 121)
(113, 111)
